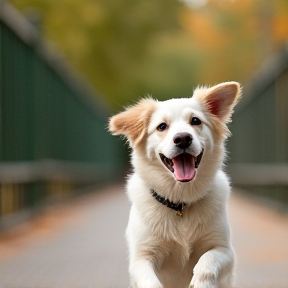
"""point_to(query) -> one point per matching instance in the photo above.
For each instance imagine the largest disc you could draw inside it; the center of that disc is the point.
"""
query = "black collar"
(177, 207)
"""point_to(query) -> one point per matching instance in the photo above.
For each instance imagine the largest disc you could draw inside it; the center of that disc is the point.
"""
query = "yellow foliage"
(92, 13)
(280, 29)
(203, 30)
(109, 40)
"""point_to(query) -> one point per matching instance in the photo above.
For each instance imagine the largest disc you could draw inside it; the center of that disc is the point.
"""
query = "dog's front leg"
(142, 275)
(214, 269)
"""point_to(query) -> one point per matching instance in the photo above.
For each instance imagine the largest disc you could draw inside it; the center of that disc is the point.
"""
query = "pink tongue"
(184, 167)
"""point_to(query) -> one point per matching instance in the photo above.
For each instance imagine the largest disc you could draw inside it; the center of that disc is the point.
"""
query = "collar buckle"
(179, 213)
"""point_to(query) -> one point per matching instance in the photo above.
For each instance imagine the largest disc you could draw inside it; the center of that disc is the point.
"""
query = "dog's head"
(177, 134)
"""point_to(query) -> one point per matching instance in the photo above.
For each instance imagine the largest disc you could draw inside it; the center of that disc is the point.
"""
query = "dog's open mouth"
(183, 166)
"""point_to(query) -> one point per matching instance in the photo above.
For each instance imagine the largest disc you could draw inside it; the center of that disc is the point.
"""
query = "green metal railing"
(53, 135)
(258, 148)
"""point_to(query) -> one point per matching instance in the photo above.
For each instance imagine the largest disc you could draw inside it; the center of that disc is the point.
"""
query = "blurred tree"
(236, 36)
(108, 41)
(133, 47)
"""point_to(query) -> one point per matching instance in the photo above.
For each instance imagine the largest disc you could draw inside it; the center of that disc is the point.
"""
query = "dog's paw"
(204, 280)
(149, 283)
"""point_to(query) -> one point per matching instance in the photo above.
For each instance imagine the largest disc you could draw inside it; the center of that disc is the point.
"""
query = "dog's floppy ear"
(133, 122)
(221, 99)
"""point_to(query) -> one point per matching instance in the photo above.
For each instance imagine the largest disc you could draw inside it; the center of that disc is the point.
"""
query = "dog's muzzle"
(184, 165)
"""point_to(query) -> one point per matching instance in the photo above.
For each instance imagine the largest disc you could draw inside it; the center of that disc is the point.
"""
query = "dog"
(178, 232)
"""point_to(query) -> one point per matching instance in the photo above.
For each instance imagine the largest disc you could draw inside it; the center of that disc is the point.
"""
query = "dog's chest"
(177, 267)
(183, 231)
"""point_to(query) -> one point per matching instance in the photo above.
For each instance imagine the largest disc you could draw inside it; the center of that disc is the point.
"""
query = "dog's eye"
(162, 127)
(195, 121)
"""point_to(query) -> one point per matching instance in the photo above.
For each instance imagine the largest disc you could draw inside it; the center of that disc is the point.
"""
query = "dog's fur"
(167, 250)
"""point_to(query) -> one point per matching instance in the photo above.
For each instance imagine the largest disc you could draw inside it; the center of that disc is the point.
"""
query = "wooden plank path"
(81, 244)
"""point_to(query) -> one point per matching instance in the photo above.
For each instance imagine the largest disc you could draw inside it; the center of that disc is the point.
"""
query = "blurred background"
(66, 66)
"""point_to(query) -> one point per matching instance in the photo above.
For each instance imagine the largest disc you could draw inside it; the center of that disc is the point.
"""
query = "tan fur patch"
(133, 122)
(219, 101)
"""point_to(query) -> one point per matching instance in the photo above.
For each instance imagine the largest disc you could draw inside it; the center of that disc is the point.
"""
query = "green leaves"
(132, 48)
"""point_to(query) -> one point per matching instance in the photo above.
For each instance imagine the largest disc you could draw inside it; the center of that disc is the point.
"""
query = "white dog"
(178, 232)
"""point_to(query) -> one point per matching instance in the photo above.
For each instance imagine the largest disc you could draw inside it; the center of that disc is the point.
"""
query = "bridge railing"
(258, 148)
(53, 129)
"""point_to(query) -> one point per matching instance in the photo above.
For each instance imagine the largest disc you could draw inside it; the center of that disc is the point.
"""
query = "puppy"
(178, 232)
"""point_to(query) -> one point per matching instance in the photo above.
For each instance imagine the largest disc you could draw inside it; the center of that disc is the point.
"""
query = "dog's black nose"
(182, 140)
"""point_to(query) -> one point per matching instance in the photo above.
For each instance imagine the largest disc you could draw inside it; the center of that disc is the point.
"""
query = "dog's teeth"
(168, 162)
